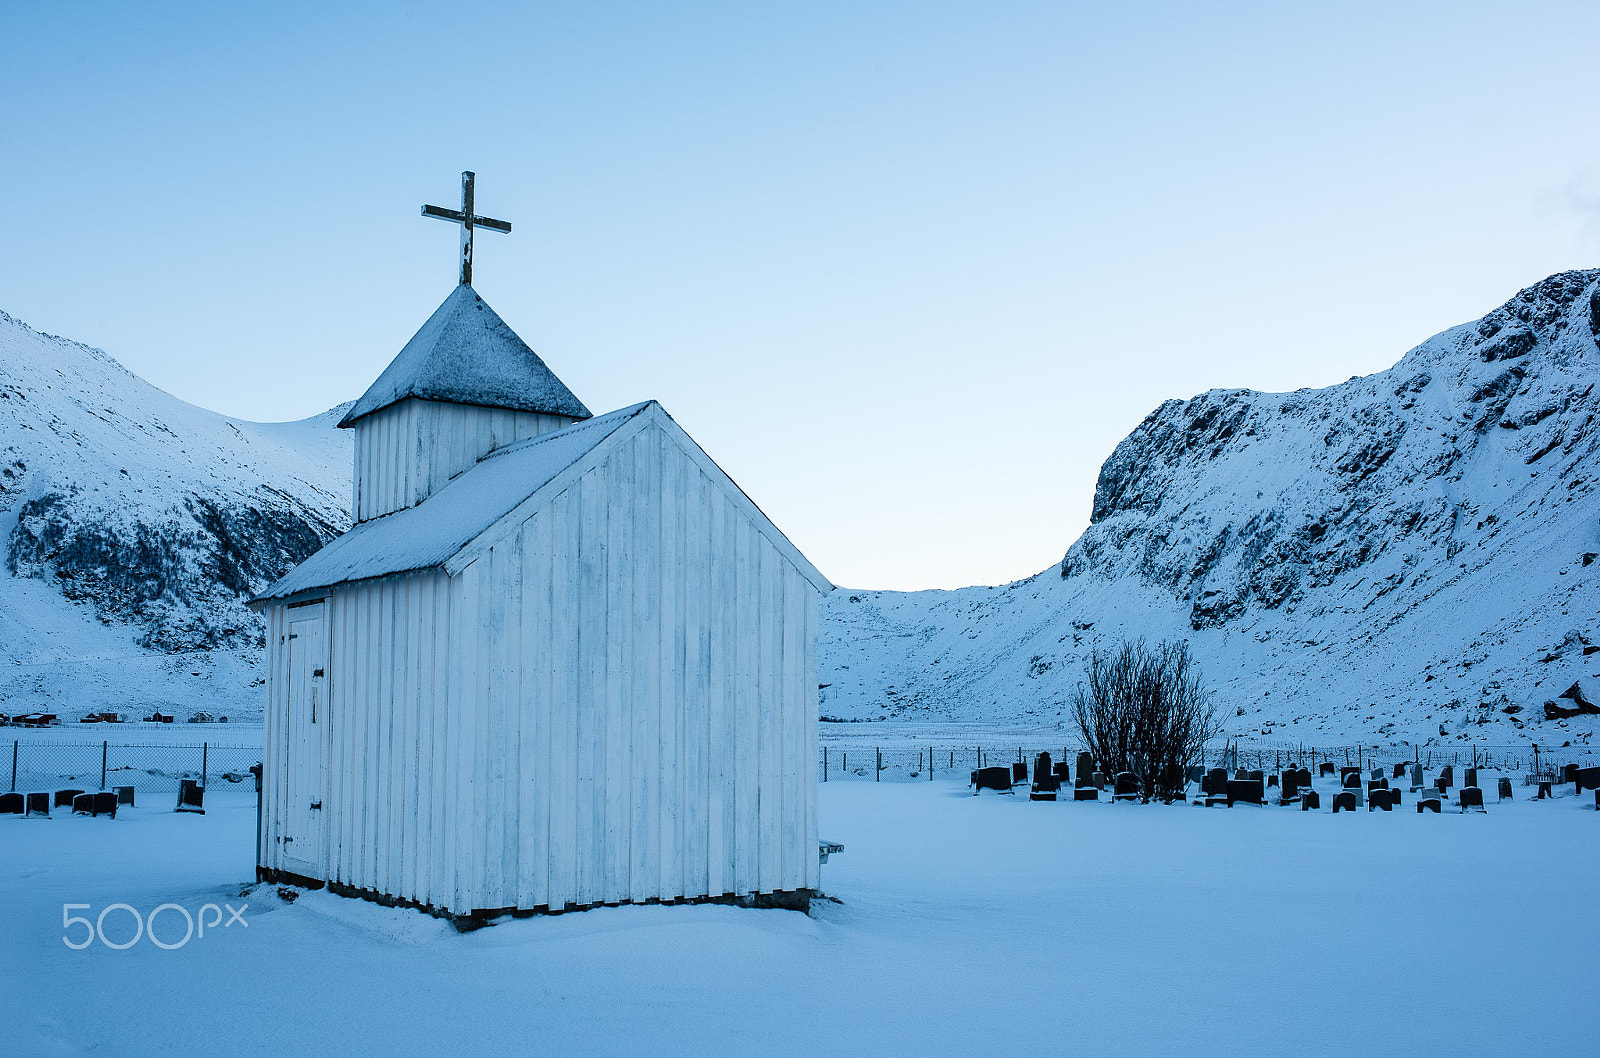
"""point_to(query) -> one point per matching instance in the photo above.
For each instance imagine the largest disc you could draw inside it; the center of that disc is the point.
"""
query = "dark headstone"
(1345, 801)
(1472, 797)
(1039, 793)
(1085, 765)
(83, 804)
(192, 796)
(1399, 771)
(1272, 780)
(105, 803)
(1326, 768)
(1303, 777)
(125, 795)
(1569, 773)
(1250, 791)
(1394, 797)
(1310, 801)
(1428, 804)
(1289, 787)
(1127, 787)
(1063, 772)
(1505, 788)
(1442, 783)
(1194, 773)
(996, 778)
(11, 804)
(1587, 779)
(38, 804)
(1472, 777)
(1344, 777)
(1380, 798)
(1447, 776)
(1085, 793)
(1417, 781)
(64, 797)
(1019, 772)
(1047, 784)
(1099, 780)
(1041, 768)
(1544, 790)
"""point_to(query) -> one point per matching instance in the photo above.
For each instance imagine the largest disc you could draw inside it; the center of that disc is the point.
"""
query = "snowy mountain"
(133, 526)
(1408, 555)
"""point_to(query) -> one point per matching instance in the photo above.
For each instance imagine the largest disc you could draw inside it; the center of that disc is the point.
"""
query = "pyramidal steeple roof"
(465, 354)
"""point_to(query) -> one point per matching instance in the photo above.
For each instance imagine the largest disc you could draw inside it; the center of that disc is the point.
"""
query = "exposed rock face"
(152, 518)
(1412, 538)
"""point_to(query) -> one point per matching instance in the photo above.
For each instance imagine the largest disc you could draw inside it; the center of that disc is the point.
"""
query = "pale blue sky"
(909, 271)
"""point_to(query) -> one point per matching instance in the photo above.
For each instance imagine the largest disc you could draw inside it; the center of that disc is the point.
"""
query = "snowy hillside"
(1407, 555)
(133, 525)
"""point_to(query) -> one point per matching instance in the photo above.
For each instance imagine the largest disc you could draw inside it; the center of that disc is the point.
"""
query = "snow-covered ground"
(966, 925)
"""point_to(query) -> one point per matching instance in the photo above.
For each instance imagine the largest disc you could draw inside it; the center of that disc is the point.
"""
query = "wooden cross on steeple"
(468, 221)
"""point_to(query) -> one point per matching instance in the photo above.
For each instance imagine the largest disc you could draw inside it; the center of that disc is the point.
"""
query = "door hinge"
(294, 635)
(316, 806)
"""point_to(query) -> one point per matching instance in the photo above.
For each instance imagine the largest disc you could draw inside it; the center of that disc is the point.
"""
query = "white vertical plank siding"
(616, 702)
(406, 452)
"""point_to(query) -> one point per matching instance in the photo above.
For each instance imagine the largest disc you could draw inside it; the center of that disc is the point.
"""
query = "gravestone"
(1085, 766)
(1019, 772)
(1377, 787)
(1428, 804)
(1194, 773)
(1310, 801)
(1289, 787)
(1256, 776)
(1442, 783)
(1447, 776)
(1085, 791)
(1569, 773)
(1544, 790)
(1303, 777)
(38, 804)
(1472, 797)
(1505, 788)
(1063, 772)
(1325, 768)
(1379, 798)
(1272, 780)
(105, 803)
(64, 797)
(1416, 777)
(1127, 787)
(995, 778)
(1345, 773)
(1376, 776)
(11, 804)
(1472, 777)
(1399, 771)
(83, 804)
(1099, 780)
(1587, 779)
(1041, 769)
(192, 796)
(1250, 791)
(1344, 801)
(125, 795)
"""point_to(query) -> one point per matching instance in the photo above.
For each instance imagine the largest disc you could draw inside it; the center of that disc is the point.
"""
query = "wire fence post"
(205, 755)
(104, 746)
(824, 763)
(14, 744)
(930, 763)
(878, 775)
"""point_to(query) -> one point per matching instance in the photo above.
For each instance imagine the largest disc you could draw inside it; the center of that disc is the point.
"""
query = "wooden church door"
(305, 828)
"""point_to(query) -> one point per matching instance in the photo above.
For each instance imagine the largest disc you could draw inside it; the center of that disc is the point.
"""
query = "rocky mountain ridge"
(1407, 554)
(134, 525)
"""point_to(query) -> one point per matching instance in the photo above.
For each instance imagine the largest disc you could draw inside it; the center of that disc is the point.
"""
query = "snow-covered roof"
(429, 534)
(465, 354)
(449, 529)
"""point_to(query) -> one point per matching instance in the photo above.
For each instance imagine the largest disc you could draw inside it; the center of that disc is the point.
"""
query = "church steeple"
(463, 386)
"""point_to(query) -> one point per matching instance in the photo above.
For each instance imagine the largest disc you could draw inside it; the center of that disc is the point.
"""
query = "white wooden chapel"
(560, 660)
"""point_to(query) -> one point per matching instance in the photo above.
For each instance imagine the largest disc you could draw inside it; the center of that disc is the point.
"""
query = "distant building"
(560, 660)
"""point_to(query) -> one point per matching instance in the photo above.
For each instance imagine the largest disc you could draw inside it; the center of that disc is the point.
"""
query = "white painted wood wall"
(617, 702)
(406, 452)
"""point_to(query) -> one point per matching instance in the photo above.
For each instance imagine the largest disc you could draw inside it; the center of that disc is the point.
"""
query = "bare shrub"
(1143, 709)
